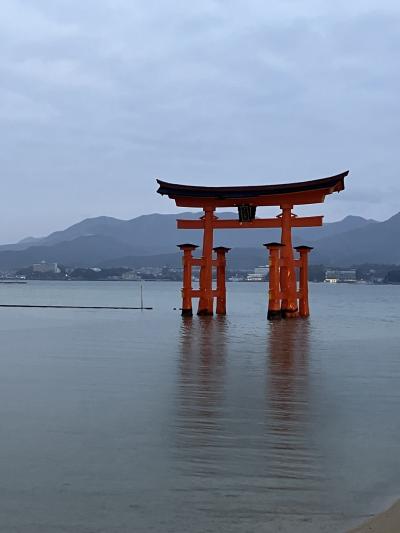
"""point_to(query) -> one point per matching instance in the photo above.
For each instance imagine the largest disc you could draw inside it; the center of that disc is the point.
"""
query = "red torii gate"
(283, 291)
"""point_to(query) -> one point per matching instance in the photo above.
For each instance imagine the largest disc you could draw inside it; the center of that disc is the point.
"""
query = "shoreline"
(387, 521)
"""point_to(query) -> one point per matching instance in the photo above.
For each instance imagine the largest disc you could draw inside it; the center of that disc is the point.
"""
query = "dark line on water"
(76, 307)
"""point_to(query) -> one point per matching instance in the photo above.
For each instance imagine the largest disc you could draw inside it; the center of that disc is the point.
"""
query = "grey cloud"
(100, 97)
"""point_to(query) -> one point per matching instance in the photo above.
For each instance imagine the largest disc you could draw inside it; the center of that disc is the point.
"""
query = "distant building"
(260, 273)
(341, 276)
(130, 276)
(44, 267)
(150, 270)
(235, 278)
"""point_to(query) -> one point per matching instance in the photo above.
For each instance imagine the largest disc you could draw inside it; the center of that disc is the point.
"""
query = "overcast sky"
(100, 97)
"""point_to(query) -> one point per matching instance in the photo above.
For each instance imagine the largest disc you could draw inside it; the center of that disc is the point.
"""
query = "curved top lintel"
(236, 194)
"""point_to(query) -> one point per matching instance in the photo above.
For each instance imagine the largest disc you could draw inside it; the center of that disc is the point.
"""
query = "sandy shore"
(386, 522)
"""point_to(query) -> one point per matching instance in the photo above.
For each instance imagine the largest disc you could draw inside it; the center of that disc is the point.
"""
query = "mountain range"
(150, 240)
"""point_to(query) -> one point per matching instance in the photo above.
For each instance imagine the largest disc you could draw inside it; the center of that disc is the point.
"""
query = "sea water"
(142, 421)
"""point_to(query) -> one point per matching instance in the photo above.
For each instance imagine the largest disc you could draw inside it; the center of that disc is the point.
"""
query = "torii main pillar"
(206, 297)
(246, 199)
(289, 307)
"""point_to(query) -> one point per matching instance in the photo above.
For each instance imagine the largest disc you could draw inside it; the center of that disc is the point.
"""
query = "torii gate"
(284, 294)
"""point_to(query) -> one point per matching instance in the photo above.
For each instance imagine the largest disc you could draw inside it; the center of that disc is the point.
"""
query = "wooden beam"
(258, 223)
(307, 222)
(298, 198)
(196, 293)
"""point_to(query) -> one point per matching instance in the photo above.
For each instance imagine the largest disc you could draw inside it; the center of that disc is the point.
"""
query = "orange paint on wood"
(313, 197)
(258, 223)
(274, 295)
(304, 308)
(206, 304)
(287, 272)
(187, 278)
(221, 276)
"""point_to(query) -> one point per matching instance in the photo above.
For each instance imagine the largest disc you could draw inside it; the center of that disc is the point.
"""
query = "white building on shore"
(45, 267)
(341, 276)
(260, 273)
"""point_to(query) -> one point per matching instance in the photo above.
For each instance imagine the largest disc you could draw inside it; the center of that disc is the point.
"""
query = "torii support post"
(274, 299)
(221, 252)
(206, 306)
(303, 280)
(187, 263)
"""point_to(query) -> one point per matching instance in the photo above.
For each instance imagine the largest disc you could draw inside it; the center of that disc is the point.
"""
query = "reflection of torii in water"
(200, 385)
(293, 456)
(283, 294)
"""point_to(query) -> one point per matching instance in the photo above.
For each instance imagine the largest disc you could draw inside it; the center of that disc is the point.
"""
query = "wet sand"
(386, 522)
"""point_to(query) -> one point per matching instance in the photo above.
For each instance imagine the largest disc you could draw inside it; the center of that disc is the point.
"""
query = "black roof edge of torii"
(173, 190)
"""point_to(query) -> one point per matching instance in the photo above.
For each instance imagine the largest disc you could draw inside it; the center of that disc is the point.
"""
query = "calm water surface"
(130, 421)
